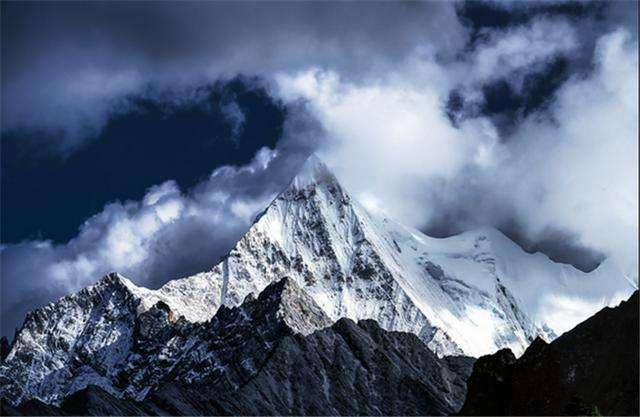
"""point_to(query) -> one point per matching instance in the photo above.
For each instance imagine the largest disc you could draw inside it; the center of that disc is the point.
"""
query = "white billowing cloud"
(165, 234)
(387, 139)
(572, 167)
(579, 170)
(387, 133)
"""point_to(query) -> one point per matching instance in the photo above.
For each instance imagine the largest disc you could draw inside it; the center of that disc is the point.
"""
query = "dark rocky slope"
(263, 358)
(592, 369)
(4, 348)
(88, 401)
(347, 369)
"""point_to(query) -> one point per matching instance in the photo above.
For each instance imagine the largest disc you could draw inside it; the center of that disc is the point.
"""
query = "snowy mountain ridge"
(472, 294)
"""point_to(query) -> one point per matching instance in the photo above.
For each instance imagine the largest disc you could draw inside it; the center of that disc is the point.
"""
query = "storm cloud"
(67, 66)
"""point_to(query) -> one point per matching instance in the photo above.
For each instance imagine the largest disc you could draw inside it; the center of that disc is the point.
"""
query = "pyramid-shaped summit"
(473, 293)
(313, 172)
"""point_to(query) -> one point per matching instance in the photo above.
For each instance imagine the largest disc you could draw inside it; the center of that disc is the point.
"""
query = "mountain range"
(319, 289)
(261, 358)
(253, 360)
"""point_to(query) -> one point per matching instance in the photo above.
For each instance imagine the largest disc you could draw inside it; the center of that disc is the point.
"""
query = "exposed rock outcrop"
(275, 355)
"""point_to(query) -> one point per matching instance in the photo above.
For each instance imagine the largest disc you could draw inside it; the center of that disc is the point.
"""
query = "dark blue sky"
(48, 195)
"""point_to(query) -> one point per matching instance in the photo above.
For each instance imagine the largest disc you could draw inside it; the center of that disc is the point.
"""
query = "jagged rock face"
(227, 351)
(263, 357)
(155, 323)
(63, 347)
(592, 369)
(347, 369)
(155, 346)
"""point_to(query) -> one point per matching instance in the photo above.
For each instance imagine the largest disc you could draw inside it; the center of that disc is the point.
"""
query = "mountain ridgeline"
(322, 307)
(253, 360)
(262, 358)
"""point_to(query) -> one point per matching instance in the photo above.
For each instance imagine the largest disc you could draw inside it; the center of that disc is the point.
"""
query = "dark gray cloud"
(508, 98)
(66, 66)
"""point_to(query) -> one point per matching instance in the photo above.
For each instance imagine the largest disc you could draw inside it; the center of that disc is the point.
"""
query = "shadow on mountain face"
(360, 369)
(590, 370)
(255, 360)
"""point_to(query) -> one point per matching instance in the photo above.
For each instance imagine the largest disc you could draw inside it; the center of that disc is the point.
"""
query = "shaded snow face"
(99, 337)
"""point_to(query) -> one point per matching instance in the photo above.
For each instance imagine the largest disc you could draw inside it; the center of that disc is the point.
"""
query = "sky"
(143, 137)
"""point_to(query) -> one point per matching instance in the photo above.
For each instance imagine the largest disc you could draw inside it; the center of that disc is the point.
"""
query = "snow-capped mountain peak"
(93, 326)
(312, 173)
(472, 294)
